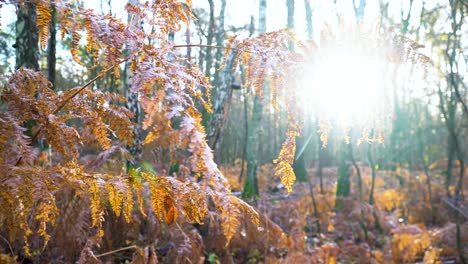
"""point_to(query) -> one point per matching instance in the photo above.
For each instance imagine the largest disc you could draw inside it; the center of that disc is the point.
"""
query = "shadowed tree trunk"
(246, 108)
(370, 158)
(343, 185)
(26, 47)
(358, 171)
(424, 160)
(299, 165)
(323, 159)
(448, 107)
(27, 50)
(51, 48)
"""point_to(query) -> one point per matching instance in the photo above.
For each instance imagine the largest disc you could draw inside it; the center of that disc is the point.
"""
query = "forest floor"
(400, 227)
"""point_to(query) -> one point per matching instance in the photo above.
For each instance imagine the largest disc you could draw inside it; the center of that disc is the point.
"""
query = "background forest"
(222, 131)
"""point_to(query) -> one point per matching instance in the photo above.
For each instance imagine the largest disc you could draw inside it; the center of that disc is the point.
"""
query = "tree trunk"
(26, 47)
(343, 185)
(220, 36)
(209, 41)
(133, 104)
(221, 109)
(299, 165)
(358, 171)
(308, 18)
(27, 51)
(372, 165)
(322, 158)
(51, 48)
(251, 182)
(290, 6)
(359, 10)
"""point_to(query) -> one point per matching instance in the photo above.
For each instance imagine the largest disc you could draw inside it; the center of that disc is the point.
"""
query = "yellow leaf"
(150, 137)
(331, 260)
(170, 210)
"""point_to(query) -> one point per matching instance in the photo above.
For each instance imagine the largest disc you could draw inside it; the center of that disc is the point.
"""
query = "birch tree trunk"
(222, 92)
(133, 104)
(221, 109)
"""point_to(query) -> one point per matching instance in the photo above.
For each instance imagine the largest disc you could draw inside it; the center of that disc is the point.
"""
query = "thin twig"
(198, 45)
(454, 207)
(209, 46)
(115, 251)
(9, 245)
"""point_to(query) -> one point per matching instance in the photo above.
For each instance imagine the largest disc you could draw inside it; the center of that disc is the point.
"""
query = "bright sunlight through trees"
(346, 81)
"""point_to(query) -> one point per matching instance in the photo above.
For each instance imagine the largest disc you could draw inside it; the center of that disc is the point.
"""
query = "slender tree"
(51, 47)
(220, 37)
(221, 105)
(308, 19)
(246, 107)
(27, 51)
(209, 40)
(359, 10)
(299, 165)
(290, 24)
(251, 182)
(133, 102)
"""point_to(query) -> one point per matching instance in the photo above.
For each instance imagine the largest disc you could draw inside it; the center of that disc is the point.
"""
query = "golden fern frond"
(136, 183)
(190, 199)
(285, 159)
(97, 213)
(115, 198)
(13, 143)
(161, 199)
(128, 203)
(230, 218)
(44, 17)
(29, 96)
(75, 36)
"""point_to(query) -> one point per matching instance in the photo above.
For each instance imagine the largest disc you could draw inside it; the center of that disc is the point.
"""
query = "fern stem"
(115, 251)
(208, 46)
(99, 76)
(9, 245)
(198, 45)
